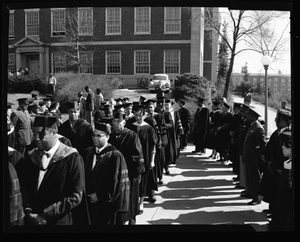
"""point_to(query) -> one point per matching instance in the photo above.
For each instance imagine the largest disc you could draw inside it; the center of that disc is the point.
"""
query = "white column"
(41, 53)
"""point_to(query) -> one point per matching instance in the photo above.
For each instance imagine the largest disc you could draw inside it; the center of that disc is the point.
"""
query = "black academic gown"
(109, 180)
(62, 188)
(223, 135)
(80, 136)
(210, 138)
(148, 140)
(200, 128)
(128, 142)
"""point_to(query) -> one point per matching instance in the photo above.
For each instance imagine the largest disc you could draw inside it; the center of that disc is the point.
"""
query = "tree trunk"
(228, 76)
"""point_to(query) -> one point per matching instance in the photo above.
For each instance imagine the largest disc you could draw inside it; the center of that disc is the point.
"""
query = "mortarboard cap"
(118, 106)
(46, 99)
(237, 105)
(23, 100)
(169, 101)
(46, 121)
(135, 103)
(125, 99)
(49, 95)
(150, 101)
(106, 120)
(127, 104)
(53, 104)
(103, 127)
(70, 105)
(216, 102)
(119, 100)
(119, 116)
(137, 108)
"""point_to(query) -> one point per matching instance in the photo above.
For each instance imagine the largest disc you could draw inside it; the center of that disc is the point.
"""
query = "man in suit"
(200, 127)
(89, 104)
(185, 117)
(22, 122)
(254, 146)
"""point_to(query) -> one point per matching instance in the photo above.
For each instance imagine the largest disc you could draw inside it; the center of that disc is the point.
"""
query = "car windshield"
(159, 78)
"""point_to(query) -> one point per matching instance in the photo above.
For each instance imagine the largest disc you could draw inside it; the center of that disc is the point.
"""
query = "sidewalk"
(201, 191)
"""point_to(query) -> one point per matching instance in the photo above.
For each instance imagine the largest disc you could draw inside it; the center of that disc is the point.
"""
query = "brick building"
(277, 83)
(126, 42)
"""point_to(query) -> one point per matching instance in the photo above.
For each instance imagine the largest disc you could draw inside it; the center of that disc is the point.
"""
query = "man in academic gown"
(254, 146)
(185, 117)
(273, 158)
(107, 181)
(157, 121)
(174, 131)
(200, 127)
(52, 178)
(223, 133)
(128, 142)
(77, 130)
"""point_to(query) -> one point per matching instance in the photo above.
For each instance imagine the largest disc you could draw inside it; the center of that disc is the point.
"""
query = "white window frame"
(135, 62)
(52, 31)
(136, 20)
(11, 24)
(88, 65)
(106, 21)
(62, 63)
(27, 11)
(92, 22)
(165, 22)
(106, 62)
(11, 65)
(179, 63)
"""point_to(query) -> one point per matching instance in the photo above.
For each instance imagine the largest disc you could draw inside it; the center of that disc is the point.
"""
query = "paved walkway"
(201, 191)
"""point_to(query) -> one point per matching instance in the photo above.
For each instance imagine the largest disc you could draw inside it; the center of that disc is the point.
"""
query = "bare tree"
(244, 26)
(78, 34)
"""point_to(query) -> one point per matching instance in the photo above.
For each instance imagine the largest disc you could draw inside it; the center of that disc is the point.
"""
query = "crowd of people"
(100, 165)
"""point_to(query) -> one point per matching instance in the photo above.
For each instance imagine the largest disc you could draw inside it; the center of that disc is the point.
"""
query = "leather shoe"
(254, 202)
(246, 194)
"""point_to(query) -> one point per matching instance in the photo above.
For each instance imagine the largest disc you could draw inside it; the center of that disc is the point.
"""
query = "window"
(58, 18)
(11, 29)
(172, 20)
(113, 62)
(11, 63)
(113, 20)
(142, 20)
(86, 62)
(59, 62)
(142, 61)
(171, 61)
(85, 20)
(32, 23)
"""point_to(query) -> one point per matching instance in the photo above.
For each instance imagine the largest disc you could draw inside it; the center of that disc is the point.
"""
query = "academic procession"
(105, 163)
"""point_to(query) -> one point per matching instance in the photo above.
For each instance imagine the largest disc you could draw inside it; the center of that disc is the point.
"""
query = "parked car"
(161, 81)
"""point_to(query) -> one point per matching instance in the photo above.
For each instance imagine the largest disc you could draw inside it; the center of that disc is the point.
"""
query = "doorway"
(33, 63)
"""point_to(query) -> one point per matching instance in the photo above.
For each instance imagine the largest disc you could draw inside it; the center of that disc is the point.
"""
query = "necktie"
(44, 160)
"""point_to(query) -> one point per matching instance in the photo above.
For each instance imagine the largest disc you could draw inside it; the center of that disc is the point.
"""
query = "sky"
(253, 59)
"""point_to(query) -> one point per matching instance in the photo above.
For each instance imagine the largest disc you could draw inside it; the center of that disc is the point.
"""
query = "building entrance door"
(34, 64)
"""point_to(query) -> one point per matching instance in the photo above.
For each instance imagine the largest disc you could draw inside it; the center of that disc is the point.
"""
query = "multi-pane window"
(172, 20)
(58, 22)
(59, 62)
(11, 63)
(142, 61)
(142, 20)
(113, 21)
(171, 61)
(11, 29)
(32, 23)
(113, 62)
(86, 62)
(85, 21)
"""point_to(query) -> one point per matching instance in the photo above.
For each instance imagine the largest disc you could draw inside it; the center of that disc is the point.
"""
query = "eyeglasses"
(98, 135)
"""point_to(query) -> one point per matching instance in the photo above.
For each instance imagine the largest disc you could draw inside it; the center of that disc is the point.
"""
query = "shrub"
(25, 84)
(189, 86)
(69, 84)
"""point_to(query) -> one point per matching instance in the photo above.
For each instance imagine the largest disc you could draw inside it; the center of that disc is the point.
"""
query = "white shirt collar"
(53, 149)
